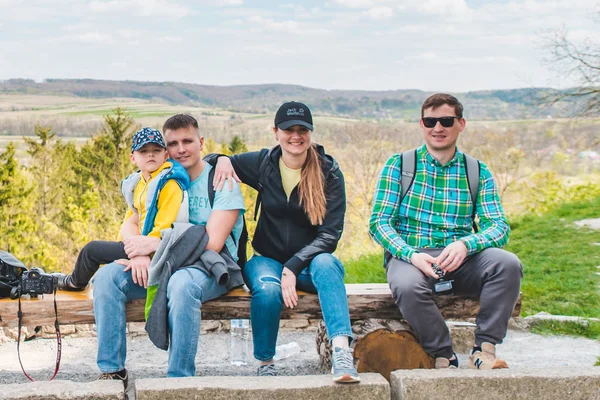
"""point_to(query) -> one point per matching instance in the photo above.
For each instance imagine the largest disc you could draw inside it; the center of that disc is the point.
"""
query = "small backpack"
(409, 167)
(11, 270)
(243, 242)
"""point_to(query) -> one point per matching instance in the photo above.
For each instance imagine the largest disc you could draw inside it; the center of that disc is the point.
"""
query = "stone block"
(136, 329)
(522, 384)
(308, 387)
(463, 336)
(213, 325)
(293, 324)
(3, 337)
(63, 390)
(85, 330)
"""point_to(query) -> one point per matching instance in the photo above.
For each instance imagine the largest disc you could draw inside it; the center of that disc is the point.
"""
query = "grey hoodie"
(184, 246)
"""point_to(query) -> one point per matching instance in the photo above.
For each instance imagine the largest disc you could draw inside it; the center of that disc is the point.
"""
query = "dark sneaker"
(114, 376)
(342, 366)
(266, 370)
(443, 362)
(65, 282)
(484, 357)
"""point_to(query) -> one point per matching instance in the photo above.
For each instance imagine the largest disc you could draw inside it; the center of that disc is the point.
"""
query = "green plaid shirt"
(437, 210)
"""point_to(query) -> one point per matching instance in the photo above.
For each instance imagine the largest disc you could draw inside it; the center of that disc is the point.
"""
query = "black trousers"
(94, 254)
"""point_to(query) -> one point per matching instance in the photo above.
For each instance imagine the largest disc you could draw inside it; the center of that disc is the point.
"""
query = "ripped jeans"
(324, 276)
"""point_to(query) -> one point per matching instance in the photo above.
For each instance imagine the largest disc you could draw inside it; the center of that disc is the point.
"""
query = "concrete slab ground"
(593, 223)
(307, 387)
(547, 384)
(64, 390)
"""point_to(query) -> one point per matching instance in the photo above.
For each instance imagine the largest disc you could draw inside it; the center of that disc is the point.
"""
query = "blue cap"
(145, 136)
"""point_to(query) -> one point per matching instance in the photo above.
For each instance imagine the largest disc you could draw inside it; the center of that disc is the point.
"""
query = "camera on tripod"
(441, 286)
(34, 282)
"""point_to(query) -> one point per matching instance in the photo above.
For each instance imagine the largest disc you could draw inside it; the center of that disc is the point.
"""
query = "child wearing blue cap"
(156, 197)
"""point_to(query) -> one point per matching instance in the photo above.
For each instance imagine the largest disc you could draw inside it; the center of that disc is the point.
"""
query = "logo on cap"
(293, 111)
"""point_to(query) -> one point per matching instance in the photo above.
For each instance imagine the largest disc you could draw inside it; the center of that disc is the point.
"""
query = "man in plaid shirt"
(432, 226)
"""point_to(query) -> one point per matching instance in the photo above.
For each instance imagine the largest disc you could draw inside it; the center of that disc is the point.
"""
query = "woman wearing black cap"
(303, 201)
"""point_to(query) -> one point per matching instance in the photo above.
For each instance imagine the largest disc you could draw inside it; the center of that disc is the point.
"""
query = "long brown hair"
(312, 187)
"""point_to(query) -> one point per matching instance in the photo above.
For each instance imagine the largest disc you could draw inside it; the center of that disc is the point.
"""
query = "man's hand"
(288, 288)
(423, 262)
(140, 246)
(139, 270)
(224, 171)
(452, 257)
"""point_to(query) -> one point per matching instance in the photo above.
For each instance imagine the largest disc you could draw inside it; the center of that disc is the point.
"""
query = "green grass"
(559, 261)
(590, 331)
(597, 363)
(365, 269)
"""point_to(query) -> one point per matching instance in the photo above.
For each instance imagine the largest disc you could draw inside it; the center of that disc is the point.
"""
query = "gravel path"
(520, 349)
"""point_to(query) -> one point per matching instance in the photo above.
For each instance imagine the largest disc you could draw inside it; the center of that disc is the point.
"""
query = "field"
(547, 173)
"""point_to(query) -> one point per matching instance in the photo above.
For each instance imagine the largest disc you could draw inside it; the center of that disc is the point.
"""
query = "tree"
(17, 225)
(42, 166)
(580, 62)
(210, 146)
(237, 146)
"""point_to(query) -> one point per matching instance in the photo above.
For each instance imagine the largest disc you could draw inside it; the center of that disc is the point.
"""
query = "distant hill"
(405, 104)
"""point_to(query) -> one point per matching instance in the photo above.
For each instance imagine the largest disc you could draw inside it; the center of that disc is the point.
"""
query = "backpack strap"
(472, 168)
(407, 177)
(211, 188)
(262, 172)
(409, 167)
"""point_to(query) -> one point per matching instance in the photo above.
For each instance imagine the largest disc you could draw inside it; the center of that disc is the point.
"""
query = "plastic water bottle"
(240, 332)
(286, 350)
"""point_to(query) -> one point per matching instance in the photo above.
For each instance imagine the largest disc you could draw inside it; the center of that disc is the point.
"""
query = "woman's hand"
(288, 288)
(223, 171)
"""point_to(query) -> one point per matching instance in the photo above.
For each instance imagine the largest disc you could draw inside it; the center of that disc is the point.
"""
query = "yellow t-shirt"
(290, 178)
(169, 201)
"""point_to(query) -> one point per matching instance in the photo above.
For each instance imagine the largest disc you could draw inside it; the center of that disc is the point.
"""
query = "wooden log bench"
(385, 341)
(365, 301)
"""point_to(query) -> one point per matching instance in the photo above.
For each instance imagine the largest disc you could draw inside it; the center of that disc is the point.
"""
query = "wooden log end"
(384, 351)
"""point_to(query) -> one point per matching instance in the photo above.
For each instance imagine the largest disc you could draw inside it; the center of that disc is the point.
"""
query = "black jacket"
(284, 232)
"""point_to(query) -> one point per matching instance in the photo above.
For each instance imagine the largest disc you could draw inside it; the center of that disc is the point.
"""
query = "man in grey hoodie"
(188, 287)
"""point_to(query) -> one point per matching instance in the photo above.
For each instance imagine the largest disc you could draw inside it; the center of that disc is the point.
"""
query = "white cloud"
(260, 23)
(440, 6)
(381, 13)
(443, 59)
(365, 3)
(260, 50)
(119, 64)
(88, 37)
(144, 8)
(300, 12)
(170, 39)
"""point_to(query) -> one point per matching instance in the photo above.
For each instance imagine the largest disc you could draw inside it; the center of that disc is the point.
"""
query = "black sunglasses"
(446, 122)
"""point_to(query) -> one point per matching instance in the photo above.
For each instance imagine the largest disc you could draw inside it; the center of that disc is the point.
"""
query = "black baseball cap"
(293, 113)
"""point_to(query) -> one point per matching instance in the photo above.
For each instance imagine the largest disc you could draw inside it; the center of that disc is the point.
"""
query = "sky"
(431, 45)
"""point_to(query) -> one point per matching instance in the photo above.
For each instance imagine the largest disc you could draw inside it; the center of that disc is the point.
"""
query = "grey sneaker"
(114, 376)
(342, 366)
(443, 362)
(484, 357)
(266, 370)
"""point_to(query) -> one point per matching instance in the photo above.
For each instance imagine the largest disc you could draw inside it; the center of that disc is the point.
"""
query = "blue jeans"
(324, 276)
(188, 288)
